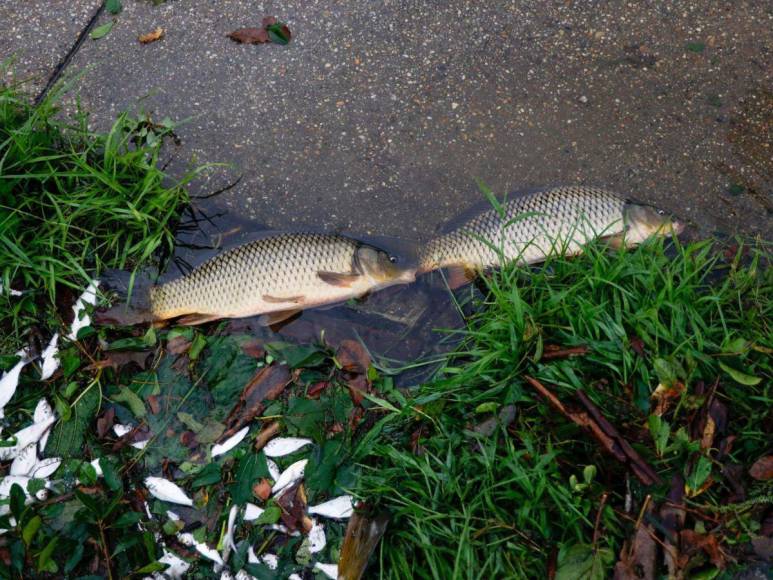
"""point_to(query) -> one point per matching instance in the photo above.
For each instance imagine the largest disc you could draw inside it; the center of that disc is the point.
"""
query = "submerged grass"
(73, 202)
(525, 498)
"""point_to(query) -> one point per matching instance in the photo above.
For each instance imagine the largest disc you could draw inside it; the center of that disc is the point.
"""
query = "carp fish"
(277, 276)
(526, 229)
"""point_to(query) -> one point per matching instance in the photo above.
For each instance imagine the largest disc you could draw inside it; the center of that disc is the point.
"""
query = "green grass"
(466, 505)
(73, 202)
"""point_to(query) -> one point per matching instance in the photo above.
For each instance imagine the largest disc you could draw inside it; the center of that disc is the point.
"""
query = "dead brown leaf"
(105, 423)
(249, 36)
(269, 21)
(152, 36)
(154, 404)
(118, 359)
(353, 357)
(637, 560)
(266, 434)
(665, 394)
(691, 542)
(178, 345)
(267, 384)
(762, 470)
(292, 502)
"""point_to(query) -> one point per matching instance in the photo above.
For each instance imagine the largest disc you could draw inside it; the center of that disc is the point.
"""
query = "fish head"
(382, 268)
(644, 221)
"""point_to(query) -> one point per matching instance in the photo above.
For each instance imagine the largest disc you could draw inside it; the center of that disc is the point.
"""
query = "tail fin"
(130, 298)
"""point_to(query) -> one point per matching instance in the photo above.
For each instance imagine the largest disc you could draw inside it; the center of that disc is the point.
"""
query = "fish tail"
(130, 295)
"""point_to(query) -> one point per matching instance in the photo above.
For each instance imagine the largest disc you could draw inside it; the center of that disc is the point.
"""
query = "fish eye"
(661, 212)
(393, 259)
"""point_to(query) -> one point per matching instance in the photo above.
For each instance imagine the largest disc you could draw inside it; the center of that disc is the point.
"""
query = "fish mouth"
(405, 277)
(677, 227)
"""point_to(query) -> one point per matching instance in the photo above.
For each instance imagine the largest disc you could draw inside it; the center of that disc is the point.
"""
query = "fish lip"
(408, 276)
(677, 227)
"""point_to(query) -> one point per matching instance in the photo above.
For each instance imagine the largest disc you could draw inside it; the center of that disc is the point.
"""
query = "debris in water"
(336, 508)
(317, 540)
(282, 446)
(329, 570)
(89, 296)
(50, 361)
(230, 443)
(290, 475)
(166, 490)
(252, 512)
(210, 553)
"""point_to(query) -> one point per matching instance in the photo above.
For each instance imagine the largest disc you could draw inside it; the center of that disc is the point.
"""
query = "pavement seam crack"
(65, 60)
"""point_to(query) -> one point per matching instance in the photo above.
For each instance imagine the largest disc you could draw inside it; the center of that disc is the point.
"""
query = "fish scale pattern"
(533, 226)
(234, 283)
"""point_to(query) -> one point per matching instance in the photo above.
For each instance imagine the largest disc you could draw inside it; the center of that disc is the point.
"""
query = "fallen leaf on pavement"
(762, 470)
(152, 36)
(249, 36)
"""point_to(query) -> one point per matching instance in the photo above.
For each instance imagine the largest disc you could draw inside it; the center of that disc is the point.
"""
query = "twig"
(602, 430)
(602, 505)
(565, 352)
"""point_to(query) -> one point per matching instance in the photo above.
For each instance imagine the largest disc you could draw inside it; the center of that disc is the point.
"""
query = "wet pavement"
(378, 117)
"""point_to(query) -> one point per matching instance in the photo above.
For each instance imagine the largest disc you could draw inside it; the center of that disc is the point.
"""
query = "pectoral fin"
(194, 319)
(459, 276)
(338, 278)
(273, 318)
(615, 241)
(278, 300)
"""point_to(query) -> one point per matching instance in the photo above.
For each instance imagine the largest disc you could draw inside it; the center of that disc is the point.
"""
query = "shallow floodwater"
(404, 327)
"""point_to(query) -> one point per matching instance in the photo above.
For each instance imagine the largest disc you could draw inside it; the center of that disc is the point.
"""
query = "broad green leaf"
(132, 400)
(110, 473)
(113, 6)
(45, 563)
(207, 476)
(101, 31)
(18, 497)
(67, 436)
(251, 467)
(29, 531)
(698, 476)
(582, 562)
(740, 377)
(270, 515)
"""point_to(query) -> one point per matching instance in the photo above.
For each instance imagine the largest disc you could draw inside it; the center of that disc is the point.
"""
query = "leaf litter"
(228, 535)
(271, 30)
